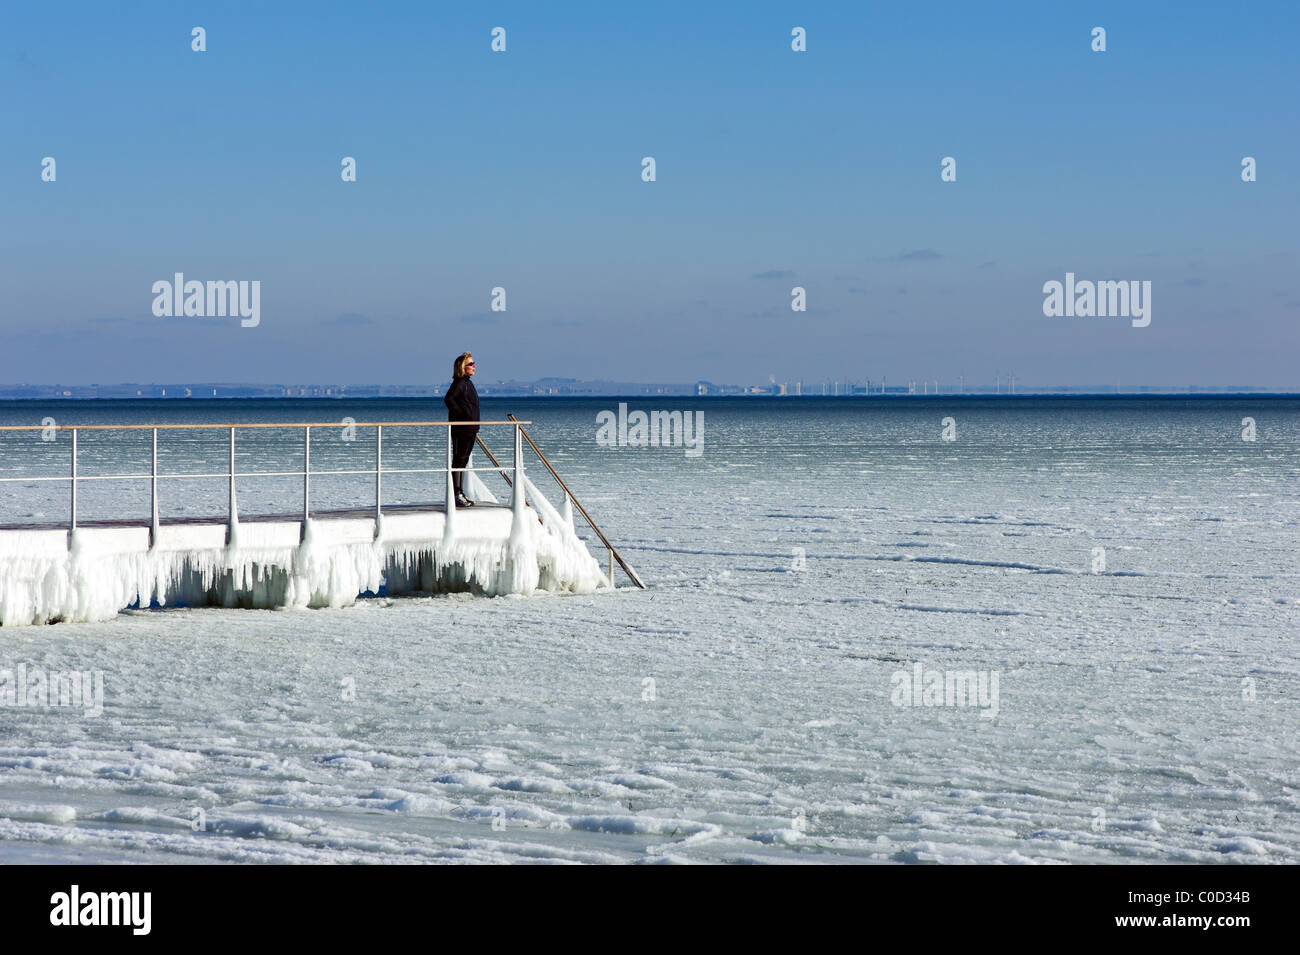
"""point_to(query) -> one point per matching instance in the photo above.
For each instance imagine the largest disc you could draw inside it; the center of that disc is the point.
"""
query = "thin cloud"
(920, 255)
(774, 274)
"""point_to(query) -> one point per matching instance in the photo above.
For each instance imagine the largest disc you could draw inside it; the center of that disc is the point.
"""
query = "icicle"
(46, 577)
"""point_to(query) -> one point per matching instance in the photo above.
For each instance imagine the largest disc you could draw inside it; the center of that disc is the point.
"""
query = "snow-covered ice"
(740, 709)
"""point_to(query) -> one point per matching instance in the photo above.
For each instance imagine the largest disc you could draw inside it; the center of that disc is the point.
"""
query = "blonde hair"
(458, 369)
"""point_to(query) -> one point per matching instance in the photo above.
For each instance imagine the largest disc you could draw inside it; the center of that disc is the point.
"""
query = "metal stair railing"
(614, 555)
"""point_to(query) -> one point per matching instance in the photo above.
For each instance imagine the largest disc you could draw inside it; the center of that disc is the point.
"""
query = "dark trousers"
(461, 445)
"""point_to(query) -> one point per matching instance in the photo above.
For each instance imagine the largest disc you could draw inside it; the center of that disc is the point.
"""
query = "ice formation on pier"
(45, 577)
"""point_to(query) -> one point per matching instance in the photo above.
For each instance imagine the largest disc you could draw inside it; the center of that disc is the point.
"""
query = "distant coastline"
(572, 388)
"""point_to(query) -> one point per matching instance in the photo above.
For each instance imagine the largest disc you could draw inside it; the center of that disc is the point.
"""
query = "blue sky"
(522, 170)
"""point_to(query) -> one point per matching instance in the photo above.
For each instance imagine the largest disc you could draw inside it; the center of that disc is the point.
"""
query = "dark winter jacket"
(462, 405)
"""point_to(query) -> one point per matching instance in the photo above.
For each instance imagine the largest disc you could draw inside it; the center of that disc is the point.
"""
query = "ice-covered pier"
(91, 570)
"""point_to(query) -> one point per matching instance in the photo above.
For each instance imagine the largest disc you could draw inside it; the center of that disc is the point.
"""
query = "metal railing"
(514, 479)
(614, 555)
(230, 474)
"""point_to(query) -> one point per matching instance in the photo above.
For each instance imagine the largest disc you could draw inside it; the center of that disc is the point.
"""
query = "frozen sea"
(1124, 568)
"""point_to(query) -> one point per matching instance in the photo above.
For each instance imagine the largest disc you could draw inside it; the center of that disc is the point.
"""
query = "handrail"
(225, 474)
(271, 424)
(605, 540)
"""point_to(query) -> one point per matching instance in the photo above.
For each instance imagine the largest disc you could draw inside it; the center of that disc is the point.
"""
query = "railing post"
(379, 476)
(451, 478)
(234, 507)
(306, 478)
(153, 493)
(307, 472)
(519, 457)
(451, 491)
(517, 498)
(72, 526)
(520, 532)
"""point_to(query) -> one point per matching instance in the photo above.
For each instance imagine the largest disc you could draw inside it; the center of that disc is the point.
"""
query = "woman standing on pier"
(462, 405)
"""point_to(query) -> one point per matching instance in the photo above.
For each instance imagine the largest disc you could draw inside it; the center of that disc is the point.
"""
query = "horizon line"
(208, 391)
